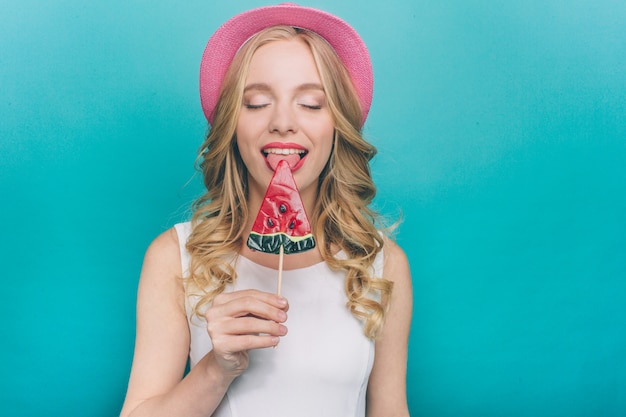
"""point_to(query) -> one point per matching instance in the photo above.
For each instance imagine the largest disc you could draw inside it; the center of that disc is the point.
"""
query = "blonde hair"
(341, 217)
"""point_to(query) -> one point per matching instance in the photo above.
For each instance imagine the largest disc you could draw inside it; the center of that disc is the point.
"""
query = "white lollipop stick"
(280, 268)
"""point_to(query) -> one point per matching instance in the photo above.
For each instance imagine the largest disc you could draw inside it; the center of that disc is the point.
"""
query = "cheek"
(329, 135)
(248, 129)
(324, 130)
(244, 133)
(243, 144)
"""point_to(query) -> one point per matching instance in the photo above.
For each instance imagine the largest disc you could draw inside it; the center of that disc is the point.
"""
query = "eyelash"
(260, 106)
(254, 106)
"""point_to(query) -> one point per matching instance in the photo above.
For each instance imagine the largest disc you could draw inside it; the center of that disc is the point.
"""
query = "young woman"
(277, 83)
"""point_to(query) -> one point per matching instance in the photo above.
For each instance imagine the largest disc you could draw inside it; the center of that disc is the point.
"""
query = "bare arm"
(162, 343)
(156, 387)
(387, 384)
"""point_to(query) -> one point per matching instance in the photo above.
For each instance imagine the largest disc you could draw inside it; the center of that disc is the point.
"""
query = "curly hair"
(341, 217)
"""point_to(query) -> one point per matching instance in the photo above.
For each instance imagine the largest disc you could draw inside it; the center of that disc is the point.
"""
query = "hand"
(244, 320)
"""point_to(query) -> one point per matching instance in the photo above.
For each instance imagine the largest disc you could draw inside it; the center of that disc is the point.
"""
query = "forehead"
(283, 62)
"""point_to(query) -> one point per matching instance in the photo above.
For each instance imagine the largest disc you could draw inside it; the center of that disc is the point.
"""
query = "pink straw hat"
(227, 40)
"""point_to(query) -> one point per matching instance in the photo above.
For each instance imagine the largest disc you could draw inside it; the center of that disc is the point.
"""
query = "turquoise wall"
(502, 136)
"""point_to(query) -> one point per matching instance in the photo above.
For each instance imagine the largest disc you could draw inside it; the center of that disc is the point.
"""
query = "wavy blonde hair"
(341, 217)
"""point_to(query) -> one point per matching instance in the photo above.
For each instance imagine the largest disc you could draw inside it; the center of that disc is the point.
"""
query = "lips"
(293, 154)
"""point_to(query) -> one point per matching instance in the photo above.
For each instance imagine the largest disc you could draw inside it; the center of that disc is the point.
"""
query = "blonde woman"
(279, 83)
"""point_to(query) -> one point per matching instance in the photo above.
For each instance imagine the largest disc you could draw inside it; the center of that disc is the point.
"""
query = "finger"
(229, 344)
(248, 325)
(269, 298)
(244, 306)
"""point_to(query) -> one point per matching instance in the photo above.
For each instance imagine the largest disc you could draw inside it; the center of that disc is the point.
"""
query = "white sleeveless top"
(319, 369)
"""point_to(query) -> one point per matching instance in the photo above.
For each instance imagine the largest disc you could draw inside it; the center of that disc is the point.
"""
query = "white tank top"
(319, 369)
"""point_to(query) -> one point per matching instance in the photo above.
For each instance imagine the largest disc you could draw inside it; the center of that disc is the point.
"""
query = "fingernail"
(282, 301)
(282, 316)
(283, 330)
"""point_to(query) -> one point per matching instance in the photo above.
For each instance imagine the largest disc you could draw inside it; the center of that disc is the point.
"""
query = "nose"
(283, 120)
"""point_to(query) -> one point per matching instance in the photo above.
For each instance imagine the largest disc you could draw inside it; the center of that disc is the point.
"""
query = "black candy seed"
(270, 222)
(282, 208)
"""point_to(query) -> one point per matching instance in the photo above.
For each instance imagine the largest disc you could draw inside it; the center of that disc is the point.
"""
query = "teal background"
(501, 130)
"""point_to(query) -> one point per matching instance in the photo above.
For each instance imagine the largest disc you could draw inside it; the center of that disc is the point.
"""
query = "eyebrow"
(266, 87)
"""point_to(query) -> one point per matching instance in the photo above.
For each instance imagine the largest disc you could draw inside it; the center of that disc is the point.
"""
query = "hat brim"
(226, 41)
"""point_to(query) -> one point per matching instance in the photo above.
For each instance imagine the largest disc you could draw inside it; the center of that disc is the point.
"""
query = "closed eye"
(311, 106)
(255, 106)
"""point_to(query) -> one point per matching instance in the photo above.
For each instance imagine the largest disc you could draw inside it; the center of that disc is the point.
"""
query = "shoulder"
(161, 271)
(162, 259)
(396, 263)
(164, 247)
(396, 269)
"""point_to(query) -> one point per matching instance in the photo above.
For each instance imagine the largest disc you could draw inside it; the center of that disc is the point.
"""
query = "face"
(284, 116)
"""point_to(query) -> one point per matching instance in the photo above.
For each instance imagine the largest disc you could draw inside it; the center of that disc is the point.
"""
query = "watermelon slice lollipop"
(282, 224)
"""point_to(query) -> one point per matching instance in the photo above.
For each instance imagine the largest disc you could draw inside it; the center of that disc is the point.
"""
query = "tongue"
(274, 159)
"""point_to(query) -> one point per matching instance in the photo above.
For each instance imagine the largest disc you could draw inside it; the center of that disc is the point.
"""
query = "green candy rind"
(271, 243)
